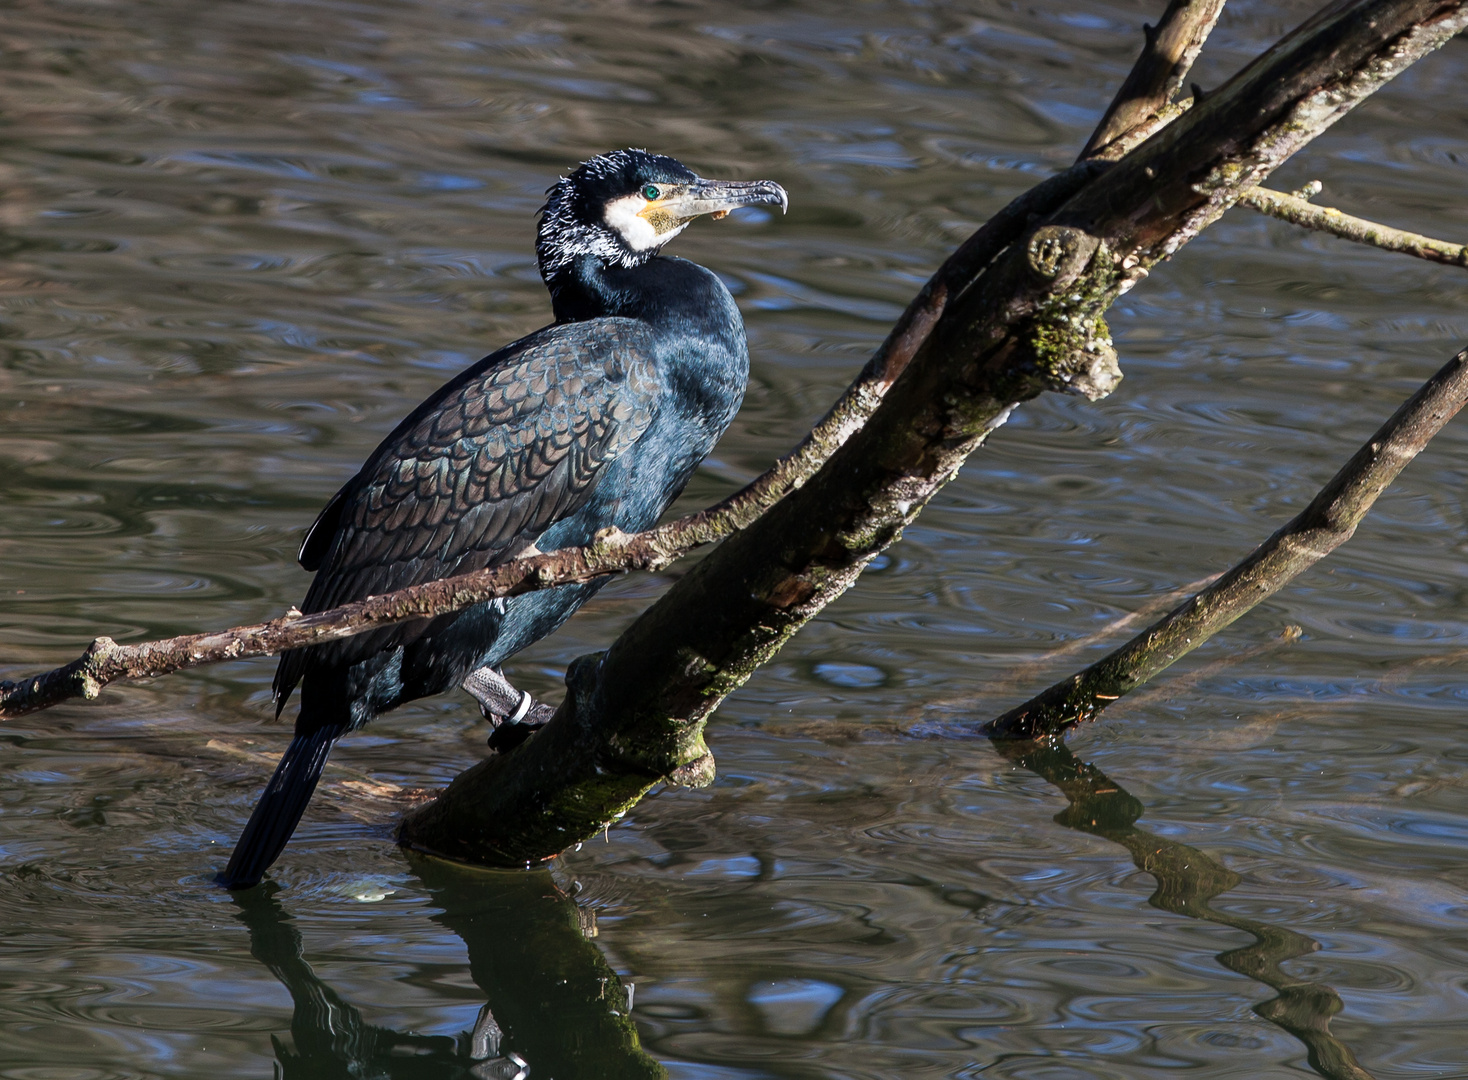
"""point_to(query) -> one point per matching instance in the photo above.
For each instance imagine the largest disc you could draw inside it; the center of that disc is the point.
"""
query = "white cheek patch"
(622, 216)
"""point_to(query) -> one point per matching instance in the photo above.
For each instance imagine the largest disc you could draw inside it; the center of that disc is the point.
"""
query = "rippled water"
(240, 240)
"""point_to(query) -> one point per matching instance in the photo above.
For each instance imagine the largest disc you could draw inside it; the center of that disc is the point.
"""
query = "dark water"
(240, 240)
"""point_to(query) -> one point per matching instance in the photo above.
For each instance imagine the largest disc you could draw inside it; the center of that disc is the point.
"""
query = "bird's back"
(472, 477)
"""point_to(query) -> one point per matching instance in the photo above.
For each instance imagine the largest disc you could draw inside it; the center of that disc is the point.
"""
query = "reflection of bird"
(332, 1041)
(594, 422)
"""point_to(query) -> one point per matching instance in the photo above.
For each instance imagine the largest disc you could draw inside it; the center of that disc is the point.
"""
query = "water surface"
(241, 240)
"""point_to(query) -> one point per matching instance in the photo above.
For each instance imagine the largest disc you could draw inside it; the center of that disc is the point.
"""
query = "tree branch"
(1167, 57)
(1329, 521)
(1300, 211)
(1030, 321)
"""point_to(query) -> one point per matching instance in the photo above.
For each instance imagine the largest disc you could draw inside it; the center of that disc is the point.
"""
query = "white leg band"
(524, 708)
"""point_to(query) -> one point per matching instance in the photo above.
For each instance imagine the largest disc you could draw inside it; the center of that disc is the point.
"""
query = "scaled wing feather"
(479, 471)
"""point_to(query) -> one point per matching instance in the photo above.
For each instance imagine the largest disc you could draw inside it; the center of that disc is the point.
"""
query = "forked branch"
(1031, 321)
(1171, 47)
(106, 661)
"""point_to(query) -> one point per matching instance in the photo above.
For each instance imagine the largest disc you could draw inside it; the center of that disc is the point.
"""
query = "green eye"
(651, 192)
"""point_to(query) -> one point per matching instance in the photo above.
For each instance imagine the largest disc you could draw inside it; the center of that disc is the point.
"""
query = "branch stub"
(1060, 253)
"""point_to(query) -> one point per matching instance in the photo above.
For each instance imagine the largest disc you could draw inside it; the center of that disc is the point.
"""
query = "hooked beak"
(717, 198)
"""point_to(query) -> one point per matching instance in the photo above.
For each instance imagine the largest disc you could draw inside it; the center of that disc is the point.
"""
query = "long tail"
(280, 808)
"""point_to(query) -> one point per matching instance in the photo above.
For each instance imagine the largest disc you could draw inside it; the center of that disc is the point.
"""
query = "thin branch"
(1167, 57)
(1300, 211)
(614, 552)
(1026, 671)
(1329, 521)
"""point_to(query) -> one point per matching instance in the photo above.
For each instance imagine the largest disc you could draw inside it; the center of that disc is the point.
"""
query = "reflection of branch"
(552, 998)
(1167, 56)
(1302, 212)
(1187, 883)
(557, 999)
(1319, 529)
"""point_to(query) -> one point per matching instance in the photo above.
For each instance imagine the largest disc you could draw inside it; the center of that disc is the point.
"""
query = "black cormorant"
(597, 420)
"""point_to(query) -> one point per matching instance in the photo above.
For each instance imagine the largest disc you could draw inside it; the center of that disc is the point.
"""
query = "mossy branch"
(1329, 521)
(106, 661)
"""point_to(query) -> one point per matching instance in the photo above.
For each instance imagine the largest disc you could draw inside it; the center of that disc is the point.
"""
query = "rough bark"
(1030, 321)
(1329, 521)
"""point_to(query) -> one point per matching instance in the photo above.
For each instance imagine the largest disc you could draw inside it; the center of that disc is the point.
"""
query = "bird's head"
(624, 206)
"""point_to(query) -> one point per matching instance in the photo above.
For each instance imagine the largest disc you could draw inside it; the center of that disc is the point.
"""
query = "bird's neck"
(697, 332)
(659, 290)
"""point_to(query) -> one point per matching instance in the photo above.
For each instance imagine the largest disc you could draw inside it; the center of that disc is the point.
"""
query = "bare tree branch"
(1031, 321)
(1329, 521)
(1167, 57)
(1026, 671)
(1298, 210)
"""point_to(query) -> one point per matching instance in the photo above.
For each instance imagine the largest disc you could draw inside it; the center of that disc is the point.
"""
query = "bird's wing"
(480, 470)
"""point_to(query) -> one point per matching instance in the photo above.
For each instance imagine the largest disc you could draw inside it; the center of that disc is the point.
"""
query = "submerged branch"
(1329, 521)
(1300, 211)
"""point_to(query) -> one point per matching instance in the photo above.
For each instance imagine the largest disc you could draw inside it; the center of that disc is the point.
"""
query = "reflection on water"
(1188, 881)
(330, 1038)
(554, 1007)
(239, 241)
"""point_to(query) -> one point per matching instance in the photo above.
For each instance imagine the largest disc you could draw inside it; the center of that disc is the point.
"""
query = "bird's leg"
(485, 1039)
(513, 713)
(484, 1050)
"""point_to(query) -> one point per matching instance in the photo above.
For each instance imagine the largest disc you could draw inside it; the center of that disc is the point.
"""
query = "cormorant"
(597, 420)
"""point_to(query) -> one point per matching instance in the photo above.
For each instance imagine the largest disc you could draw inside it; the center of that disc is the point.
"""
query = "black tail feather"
(280, 808)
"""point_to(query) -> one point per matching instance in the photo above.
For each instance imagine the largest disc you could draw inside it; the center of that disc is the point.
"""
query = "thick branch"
(1329, 521)
(1167, 57)
(1031, 321)
(1302, 212)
